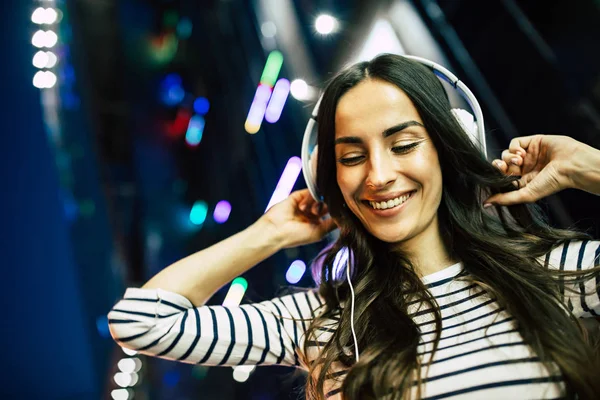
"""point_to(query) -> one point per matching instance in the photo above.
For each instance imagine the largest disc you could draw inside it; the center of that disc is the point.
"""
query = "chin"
(390, 237)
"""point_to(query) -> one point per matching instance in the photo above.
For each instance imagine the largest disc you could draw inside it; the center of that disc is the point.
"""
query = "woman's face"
(387, 166)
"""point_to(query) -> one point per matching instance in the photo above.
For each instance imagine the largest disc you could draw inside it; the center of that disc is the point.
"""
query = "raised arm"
(293, 222)
(167, 317)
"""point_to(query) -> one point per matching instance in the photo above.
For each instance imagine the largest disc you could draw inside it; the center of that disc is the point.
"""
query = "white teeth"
(390, 203)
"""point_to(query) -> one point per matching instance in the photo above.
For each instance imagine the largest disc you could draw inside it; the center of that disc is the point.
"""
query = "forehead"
(373, 106)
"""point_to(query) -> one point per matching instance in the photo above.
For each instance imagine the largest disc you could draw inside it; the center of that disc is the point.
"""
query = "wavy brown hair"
(499, 247)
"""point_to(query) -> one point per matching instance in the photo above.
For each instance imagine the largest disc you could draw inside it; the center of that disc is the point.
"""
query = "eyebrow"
(388, 132)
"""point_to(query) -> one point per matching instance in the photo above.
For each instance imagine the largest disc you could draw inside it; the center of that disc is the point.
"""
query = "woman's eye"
(404, 149)
(350, 160)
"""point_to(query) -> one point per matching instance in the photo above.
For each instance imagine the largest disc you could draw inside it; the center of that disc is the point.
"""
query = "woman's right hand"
(298, 220)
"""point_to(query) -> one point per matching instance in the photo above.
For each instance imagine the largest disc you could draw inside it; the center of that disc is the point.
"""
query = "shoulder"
(573, 255)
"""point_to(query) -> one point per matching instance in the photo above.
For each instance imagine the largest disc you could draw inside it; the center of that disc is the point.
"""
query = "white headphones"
(471, 123)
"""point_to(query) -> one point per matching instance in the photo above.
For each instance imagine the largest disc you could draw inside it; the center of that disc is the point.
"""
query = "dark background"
(98, 183)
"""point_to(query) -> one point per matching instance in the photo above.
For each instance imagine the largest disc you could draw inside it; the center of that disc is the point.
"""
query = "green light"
(240, 281)
(87, 208)
(170, 18)
(272, 68)
(198, 213)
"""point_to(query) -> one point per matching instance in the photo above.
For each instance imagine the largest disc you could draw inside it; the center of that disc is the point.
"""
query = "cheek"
(347, 181)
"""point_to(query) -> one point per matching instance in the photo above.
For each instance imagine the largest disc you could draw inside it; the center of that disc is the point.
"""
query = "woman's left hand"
(547, 164)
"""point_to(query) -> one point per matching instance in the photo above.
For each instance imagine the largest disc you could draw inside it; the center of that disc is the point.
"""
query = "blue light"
(171, 378)
(102, 326)
(198, 213)
(71, 207)
(171, 90)
(295, 271)
(173, 95)
(172, 79)
(193, 136)
(184, 28)
(201, 105)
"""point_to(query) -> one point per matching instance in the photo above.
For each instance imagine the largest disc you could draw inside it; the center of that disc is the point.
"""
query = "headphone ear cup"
(468, 123)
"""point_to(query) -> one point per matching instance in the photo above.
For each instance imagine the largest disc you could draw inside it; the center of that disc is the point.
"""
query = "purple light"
(287, 181)
(258, 108)
(295, 271)
(278, 98)
(222, 211)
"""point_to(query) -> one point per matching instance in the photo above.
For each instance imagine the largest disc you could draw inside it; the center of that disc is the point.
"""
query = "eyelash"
(396, 149)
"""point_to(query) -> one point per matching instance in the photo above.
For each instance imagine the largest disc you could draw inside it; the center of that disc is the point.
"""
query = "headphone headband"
(309, 140)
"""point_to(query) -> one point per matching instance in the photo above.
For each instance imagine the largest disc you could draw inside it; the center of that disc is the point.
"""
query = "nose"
(381, 171)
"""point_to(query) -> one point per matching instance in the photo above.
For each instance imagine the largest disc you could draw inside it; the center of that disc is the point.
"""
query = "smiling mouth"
(385, 205)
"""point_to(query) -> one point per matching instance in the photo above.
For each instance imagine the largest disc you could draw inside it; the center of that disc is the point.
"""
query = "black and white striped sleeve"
(165, 324)
(578, 256)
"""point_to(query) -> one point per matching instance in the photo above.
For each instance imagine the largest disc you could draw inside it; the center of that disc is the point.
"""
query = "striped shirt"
(481, 353)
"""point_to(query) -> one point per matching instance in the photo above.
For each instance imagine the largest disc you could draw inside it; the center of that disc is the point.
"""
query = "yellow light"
(251, 128)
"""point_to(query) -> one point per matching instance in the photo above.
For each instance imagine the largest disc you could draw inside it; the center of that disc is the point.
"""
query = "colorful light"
(39, 39)
(171, 90)
(299, 89)
(129, 365)
(195, 129)
(121, 394)
(40, 59)
(201, 105)
(258, 109)
(278, 98)
(184, 28)
(129, 352)
(287, 181)
(51, 39)
(241, 373)
(43, 15)
(236, 292)
(325, 24)
(268, 29)
(295, 271)
(124, 379)
(222, 211)
(102, 326)
(198, 213)
(52, 59)
(39, 15)
(44, 79)
(272, 68)
(171, 378)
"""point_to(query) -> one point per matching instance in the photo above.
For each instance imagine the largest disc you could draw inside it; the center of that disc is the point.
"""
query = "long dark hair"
(499, 248)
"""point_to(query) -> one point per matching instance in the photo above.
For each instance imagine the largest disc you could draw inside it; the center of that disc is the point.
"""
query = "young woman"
(451, 297)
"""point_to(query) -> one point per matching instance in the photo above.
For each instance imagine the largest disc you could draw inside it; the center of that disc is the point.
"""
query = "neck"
(427, 250)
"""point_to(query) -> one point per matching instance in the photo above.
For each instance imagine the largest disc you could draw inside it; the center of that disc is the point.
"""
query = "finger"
(542, 185)
(315, 208)
(501, 165)
(521, 143)
(328, 225)
(516, 197)
(513, 163)
(515, 147)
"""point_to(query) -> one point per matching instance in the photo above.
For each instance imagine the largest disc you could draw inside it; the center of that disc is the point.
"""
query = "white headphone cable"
(352, 307)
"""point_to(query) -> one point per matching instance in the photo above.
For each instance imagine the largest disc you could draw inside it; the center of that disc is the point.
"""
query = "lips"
(390, 205)
(391, 196)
